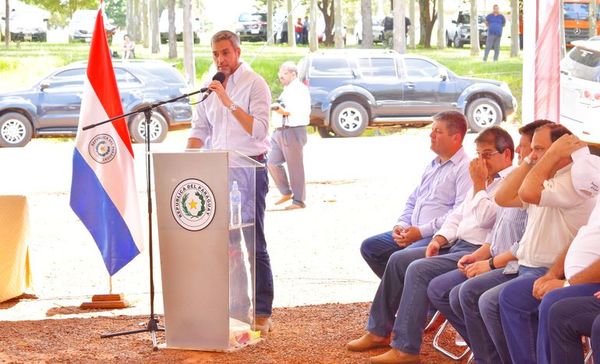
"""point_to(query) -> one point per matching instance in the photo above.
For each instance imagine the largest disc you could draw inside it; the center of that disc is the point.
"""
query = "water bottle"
(235, 205)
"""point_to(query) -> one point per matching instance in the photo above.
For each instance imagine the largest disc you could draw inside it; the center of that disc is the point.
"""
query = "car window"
(377, 67)
(578, 12)
(330, 67)
(585, 64)
(420, 68)
(68, 78)
(125, 78)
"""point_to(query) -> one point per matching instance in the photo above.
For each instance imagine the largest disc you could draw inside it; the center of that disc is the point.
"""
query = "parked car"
(81, 26)
(51, 106)
(163, 26)
(458, 33)
(252, 27)
(580, 90)
(26, 25)
(353, 89)
(377, 29)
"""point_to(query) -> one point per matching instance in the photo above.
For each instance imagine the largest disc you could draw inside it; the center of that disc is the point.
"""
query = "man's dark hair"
(556, 131)
(499, 137)
(456, 123)
(529, 129)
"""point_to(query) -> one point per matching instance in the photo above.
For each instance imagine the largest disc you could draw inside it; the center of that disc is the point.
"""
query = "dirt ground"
(306, 334)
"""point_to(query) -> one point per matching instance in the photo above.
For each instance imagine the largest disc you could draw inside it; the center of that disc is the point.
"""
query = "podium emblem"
(193, 204)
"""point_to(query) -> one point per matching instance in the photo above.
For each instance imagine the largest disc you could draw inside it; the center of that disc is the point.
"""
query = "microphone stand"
(153, 323)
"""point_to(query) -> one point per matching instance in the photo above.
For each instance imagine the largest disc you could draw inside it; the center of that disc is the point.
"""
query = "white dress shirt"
(296, 100)
(212, 120)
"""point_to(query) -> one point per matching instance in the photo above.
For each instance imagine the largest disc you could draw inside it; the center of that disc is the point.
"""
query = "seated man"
(557, 208)
(458, 301)
(400, 305)
(443, 187)
(576, 274)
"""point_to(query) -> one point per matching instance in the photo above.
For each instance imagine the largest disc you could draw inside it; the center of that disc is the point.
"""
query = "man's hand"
(397, 235)
(218, 88)
(408, 236)
(564, 146)
(477, 268)
(464, 261)
(434, 246)
(547, 286)
(479, 174)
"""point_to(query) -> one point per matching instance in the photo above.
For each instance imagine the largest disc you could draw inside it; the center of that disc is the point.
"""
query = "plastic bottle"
(235, 205)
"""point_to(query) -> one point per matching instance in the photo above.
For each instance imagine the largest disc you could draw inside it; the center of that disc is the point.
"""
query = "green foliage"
(116, 10)
(62, 10)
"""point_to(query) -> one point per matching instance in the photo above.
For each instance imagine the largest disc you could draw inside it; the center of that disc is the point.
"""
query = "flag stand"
(106, 301)
(153, 322)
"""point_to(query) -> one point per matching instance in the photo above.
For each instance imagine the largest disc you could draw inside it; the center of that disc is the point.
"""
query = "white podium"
(207, 265)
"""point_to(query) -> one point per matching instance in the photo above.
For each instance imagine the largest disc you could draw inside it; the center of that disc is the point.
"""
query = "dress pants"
(288, 147)
(492, 42)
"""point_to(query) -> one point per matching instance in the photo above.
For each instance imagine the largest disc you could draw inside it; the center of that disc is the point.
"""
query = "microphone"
(219, 76)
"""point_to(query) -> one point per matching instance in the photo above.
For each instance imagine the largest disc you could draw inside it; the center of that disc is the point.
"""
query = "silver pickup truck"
(458, 33)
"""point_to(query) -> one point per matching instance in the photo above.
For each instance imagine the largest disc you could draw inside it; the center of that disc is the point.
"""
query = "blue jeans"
(489, 307)
(519, 314)
(566, 314)
(377, 249)
(400, 304)
(264, 276)
(460, 305)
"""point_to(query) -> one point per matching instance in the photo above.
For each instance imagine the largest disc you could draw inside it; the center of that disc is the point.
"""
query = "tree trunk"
(339, 27)
(367, 23)
(399, 32)
(474, 29)
(145, 24)
(441, 32)
(313, 41)
(7, 24)
(290, 24)
(514, 28)
(189, 66)
(154, 33)
(129, 22)
(172, 34)
(270, 35)
(326, 8)
(136, 21)
(427, 20)
(413, 19)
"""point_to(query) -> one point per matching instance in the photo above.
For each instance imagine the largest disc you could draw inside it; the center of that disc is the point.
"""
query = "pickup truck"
(458, 33)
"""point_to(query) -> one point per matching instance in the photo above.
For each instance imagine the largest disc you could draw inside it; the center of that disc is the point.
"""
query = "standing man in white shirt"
(235, 116)
(290, 116)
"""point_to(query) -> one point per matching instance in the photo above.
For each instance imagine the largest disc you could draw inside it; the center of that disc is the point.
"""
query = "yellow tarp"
(15, 273)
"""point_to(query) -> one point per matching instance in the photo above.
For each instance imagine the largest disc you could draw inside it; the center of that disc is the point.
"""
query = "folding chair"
(438, 347)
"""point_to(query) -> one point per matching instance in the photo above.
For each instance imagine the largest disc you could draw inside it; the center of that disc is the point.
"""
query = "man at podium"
(235, 116)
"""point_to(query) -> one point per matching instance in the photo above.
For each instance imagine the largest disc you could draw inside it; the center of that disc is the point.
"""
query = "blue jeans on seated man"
(400, 304)
(377, 250)
(566, 314)
(519, 314)
(457, 298)
(489, 308)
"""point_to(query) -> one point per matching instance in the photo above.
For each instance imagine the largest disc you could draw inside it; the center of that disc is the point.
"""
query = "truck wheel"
(457, 41)
(15, 130)
(349, 119)
(483, 113)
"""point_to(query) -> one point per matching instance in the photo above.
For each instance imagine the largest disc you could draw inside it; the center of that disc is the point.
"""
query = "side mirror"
(443, 74)
(44, 85)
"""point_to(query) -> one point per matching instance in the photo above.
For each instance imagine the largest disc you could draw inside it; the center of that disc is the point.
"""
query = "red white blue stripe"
(103, 188)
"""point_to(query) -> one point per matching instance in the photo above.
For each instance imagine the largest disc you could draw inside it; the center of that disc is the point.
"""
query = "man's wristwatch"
(491, 263)
(232, 107)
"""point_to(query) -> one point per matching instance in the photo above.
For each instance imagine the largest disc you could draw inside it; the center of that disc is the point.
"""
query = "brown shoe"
(294, 206)
(264, 325)
(283, 199)
(367, 342)
(395, 356)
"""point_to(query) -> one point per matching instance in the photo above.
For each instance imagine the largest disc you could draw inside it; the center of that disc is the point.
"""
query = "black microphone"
(219, 76)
